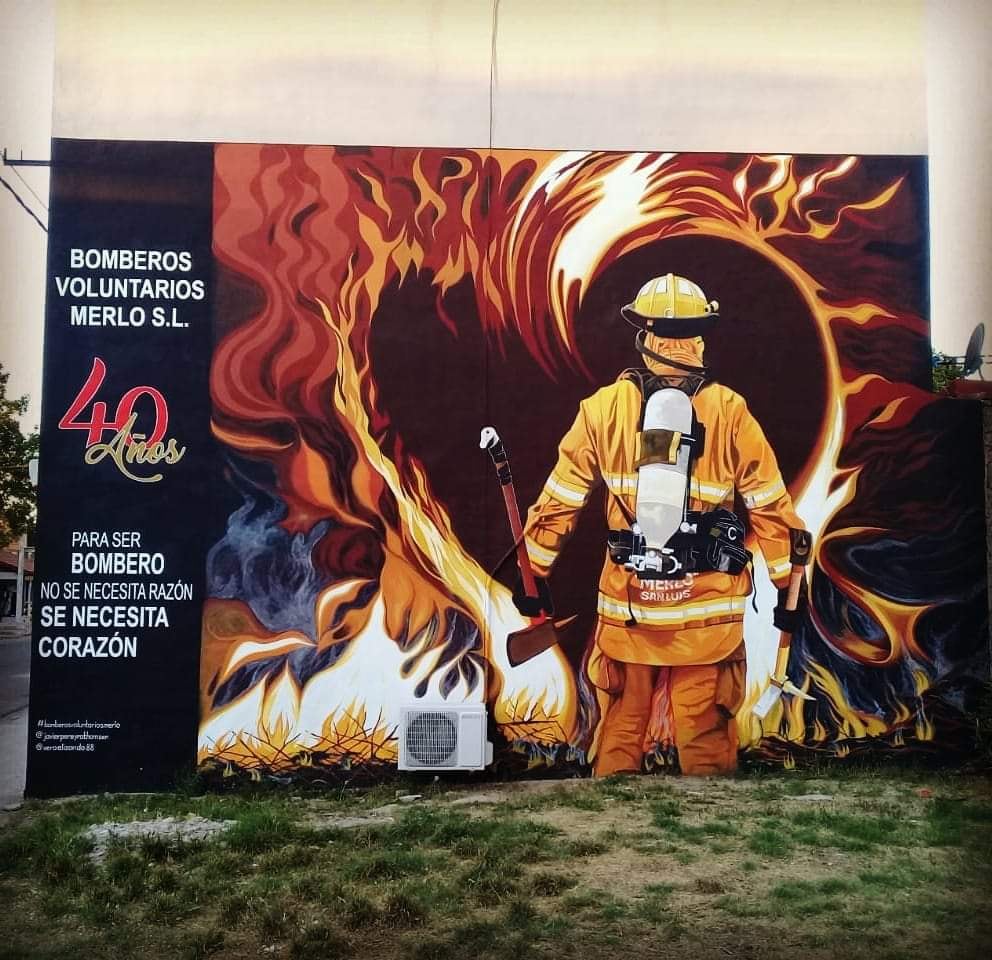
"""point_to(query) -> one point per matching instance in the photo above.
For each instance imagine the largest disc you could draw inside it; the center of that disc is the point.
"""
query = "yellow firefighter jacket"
(692, 621)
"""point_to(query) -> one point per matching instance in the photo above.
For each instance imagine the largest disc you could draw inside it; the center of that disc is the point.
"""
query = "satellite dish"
(973, 355)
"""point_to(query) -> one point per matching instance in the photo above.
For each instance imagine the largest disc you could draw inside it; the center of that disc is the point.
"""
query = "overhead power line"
(42, 204)
(30, 212)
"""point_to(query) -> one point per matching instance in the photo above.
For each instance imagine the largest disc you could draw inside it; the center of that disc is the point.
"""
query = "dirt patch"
(172, 831)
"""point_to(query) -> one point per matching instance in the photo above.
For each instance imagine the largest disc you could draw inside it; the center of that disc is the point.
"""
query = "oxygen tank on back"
(662, 481)
(663, 474)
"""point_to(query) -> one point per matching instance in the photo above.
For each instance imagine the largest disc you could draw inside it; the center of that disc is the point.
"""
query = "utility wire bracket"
(21, 162)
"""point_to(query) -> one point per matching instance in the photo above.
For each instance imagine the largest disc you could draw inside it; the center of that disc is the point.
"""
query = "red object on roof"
(971, 389)
(8, 560)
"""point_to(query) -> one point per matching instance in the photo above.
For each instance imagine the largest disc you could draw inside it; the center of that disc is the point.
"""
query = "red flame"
(311, 236)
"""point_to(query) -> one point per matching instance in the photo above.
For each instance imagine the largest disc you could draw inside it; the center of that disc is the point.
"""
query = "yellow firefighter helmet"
(672, 306)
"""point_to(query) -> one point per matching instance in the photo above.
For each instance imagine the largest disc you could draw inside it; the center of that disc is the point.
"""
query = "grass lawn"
(626, 867)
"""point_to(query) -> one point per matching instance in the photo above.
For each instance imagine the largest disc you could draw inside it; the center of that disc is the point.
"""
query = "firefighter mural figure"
(672, 447)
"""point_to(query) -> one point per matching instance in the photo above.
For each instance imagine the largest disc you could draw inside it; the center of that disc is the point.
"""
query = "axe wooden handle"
(516, 528)
(800, 545)
(490, 441)
(784, 637)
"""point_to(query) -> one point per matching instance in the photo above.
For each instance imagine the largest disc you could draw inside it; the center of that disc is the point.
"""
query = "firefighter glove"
(533, 606)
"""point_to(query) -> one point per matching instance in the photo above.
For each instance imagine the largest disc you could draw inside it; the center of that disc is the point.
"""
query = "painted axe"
(800, 545)
(542, 634)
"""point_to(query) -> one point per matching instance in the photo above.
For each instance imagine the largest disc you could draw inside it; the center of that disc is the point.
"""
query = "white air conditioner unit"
(443, 737)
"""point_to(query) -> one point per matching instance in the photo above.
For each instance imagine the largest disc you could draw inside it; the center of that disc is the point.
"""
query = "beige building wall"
(741, 75)
(959, 114)
(27, 51)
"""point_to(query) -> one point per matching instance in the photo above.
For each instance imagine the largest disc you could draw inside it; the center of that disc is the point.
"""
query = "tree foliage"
(17, 494)
(945, 371)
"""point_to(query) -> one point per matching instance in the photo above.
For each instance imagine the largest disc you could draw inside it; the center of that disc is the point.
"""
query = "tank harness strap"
(720, 547)
(754, 586)
(631, 621)
(652, 444)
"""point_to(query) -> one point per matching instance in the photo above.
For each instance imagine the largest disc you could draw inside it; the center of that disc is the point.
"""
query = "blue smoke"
(271, 570)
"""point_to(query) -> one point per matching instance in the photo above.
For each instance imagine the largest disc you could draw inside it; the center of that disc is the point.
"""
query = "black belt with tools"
(705, 542)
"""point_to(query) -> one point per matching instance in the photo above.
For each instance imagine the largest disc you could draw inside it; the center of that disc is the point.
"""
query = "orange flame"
(322, 232)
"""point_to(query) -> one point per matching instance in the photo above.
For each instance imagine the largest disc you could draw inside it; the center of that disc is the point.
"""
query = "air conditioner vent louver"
(443, 737)
(432, 738)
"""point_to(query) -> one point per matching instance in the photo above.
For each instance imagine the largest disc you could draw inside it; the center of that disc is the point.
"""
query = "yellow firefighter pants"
(703, 699)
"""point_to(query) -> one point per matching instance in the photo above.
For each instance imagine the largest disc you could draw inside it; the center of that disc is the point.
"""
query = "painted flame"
(321, 232)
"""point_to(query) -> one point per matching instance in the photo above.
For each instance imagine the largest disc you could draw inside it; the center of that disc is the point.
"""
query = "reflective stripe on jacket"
(600, 447)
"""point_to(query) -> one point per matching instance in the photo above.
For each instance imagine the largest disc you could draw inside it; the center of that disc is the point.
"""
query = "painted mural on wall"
(697, 365)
